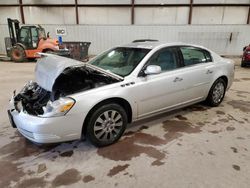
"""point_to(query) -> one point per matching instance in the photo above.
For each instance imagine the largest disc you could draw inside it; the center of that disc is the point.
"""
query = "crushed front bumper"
(46, 130)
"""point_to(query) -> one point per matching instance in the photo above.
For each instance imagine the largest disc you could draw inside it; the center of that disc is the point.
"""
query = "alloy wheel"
(218, 92)
(108, 125)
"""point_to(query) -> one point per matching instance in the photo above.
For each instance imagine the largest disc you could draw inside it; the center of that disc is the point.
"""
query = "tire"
(106, 125)
(243, 64)
(17, 54)
(216, 93)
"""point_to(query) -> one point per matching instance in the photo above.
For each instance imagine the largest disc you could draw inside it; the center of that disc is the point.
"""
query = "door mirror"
(152, 69)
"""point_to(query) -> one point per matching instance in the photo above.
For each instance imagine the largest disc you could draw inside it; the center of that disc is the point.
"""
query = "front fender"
(85, 101)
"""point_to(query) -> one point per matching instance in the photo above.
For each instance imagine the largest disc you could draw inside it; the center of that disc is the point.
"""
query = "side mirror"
(152, 69)
(48, 35)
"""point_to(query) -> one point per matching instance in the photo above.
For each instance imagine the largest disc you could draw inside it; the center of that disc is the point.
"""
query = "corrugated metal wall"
(216, 37)
(122, 15)
(222, 28)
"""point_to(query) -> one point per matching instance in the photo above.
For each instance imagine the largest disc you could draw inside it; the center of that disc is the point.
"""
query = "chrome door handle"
(209, 72)
(177, 79)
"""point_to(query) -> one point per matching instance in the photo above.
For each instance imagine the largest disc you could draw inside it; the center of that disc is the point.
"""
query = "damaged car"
(69, 99)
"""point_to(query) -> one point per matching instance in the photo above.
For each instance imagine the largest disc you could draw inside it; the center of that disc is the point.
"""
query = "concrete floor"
(192, 147)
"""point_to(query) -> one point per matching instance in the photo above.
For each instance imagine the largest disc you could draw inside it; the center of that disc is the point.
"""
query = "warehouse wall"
(220, 15)
(215, 37)
(105, 27)
(107, 16)
(122, 15)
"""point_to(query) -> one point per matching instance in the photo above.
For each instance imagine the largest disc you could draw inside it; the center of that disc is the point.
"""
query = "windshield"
(121, 61)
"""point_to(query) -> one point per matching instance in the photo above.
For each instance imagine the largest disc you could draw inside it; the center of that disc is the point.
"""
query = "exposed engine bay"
(33, 98)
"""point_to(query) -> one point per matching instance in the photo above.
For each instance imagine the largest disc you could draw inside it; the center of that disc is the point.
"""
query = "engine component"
(32, 98)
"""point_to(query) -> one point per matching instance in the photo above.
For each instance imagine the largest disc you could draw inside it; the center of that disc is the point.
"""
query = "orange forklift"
(25, 41)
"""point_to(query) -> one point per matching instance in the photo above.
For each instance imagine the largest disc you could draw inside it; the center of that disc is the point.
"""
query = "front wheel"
(106, 125)
(17, 54)
(216, 93)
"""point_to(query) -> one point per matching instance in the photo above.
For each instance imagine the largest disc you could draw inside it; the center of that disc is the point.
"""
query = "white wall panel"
(48, 1)
(9, 1)
(215, 37)
(49, 15)
(218, 41)
(154, 16)
(221, 1)
(207, 15)
(235, 15)
(110, 16)
(219, 15)
(9, 12)
(104, 1)
(162, 1)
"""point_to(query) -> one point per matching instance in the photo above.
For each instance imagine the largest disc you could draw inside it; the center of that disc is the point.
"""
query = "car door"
(198, 69)
(158, 92)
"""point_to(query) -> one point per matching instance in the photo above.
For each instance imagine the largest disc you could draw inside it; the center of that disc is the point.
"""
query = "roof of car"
(150, 44)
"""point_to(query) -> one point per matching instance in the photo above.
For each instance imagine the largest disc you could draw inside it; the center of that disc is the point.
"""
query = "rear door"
(198, 69)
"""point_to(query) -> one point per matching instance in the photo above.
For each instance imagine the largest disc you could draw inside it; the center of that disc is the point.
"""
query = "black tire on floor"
(211, 99)
(17, 54)
(106, 125)
(243, 64)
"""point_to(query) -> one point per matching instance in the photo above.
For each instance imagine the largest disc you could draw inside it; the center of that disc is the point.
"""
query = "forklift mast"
(13, 30)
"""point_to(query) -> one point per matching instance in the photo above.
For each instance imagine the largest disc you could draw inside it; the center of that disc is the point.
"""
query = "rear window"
(192, 55)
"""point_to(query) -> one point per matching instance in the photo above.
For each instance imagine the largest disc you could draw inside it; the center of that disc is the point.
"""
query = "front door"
(160, 91)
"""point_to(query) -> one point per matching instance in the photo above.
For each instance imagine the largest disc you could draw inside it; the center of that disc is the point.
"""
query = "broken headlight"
(58, 108)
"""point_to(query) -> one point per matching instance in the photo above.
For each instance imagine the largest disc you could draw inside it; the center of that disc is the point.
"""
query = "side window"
(25, 36)
(208, 56)
(165, 58)
(192, 55)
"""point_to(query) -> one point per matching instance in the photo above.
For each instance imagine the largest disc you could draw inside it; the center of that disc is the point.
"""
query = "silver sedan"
(70, 99)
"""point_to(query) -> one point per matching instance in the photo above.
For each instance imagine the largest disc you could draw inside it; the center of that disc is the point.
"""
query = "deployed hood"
(59, 77)
(49, 67)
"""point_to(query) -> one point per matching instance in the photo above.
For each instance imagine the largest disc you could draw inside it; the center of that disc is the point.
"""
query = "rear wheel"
(106, 125)
(243, 64)
(217, 92)
(17, 54)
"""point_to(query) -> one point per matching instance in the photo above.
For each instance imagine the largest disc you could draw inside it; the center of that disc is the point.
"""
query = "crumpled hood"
(49, 67)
